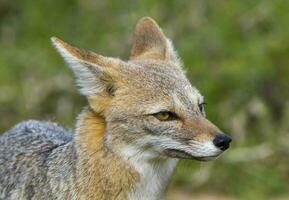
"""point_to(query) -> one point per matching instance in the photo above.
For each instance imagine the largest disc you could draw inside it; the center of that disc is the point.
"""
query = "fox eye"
(202, 107)
(165, 116)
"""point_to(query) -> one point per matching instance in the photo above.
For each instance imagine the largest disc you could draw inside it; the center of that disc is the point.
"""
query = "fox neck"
(126, 173)
(155, 173)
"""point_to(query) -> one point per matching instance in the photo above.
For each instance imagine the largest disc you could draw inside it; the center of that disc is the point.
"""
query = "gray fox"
(143, 115)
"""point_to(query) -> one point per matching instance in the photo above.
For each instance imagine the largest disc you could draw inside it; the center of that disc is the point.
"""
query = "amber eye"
(165, 116)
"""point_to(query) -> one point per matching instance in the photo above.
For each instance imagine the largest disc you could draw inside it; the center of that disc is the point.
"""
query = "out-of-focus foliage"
(236, 52)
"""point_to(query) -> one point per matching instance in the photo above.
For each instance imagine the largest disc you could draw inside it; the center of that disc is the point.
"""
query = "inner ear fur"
(149, 42)
(96, 75)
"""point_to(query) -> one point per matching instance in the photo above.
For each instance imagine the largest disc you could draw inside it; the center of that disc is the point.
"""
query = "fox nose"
(222, 141)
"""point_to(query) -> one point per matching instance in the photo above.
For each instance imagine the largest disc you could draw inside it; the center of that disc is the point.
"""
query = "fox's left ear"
(149, 42)
(96, 75)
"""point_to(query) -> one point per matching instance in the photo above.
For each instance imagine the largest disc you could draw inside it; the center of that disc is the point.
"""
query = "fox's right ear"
(96, 75)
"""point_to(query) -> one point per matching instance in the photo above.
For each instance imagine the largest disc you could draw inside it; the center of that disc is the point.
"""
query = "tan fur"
(91, 131)
(83, 54)
(100, 104)
(101, 173)
(149, 42)
(204, 130)
(121, 145)
(121, 148)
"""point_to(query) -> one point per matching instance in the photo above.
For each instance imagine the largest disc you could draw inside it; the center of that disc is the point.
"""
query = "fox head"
(147, 103)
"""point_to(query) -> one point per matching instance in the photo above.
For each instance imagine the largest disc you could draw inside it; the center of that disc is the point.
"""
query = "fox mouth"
(176, 153)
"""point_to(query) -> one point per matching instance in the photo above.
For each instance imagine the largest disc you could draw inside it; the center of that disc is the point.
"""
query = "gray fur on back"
(27, 152)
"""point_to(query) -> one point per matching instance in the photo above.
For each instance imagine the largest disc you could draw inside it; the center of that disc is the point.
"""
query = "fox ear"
(149, 42)
(94, 73)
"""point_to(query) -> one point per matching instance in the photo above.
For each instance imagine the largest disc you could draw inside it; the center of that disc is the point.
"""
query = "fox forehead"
(187, 100)
(149, 73)
(159, 85)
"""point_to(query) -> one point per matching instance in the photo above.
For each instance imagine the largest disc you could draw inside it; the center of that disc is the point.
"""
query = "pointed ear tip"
(147, 20)
(53, 39)
(56, 41)
(60, 45)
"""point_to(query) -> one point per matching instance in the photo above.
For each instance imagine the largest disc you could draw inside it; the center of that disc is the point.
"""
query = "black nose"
(222, 141)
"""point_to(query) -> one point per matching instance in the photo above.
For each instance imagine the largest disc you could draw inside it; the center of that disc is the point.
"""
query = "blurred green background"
(236, 52)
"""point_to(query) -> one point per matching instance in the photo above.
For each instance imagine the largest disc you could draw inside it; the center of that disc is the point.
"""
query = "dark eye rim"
(202, 106)
(172, 116)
